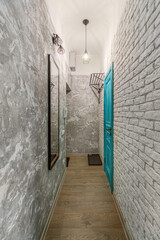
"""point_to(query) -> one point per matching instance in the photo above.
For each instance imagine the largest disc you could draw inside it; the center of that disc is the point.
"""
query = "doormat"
(67, 161)
(94, 160)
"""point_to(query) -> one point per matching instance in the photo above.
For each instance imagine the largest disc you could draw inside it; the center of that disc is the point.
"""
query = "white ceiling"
(103, 16)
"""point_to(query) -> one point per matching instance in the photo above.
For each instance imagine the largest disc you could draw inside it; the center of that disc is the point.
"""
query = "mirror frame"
(51, 161)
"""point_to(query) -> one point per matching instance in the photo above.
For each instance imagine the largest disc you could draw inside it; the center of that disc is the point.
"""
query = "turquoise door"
(108, 126)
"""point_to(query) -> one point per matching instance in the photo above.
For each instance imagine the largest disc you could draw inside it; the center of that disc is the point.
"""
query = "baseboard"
(52, 209)
(79, 154)
(128, 237)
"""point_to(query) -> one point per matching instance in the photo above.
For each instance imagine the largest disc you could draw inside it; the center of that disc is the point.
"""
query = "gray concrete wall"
(136, 57)
(27, 188)
(82, 120)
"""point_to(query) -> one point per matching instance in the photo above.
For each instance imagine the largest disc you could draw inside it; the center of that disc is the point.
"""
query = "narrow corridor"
(79, 77)
(85, 208)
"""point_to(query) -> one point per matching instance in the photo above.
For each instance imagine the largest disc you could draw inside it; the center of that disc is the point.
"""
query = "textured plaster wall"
(136, 57)
(82, 120)
(27, 188)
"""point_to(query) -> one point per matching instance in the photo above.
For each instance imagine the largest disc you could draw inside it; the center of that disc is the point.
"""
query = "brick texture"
(136, 56)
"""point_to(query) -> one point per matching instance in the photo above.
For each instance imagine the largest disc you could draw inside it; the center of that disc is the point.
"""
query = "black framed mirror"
(53, 112)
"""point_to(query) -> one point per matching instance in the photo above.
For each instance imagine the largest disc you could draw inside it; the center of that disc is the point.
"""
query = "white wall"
(86, 69)
(135, 52)
(103, 18)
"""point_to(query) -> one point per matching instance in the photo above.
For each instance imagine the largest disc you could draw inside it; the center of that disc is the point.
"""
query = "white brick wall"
(136, 56)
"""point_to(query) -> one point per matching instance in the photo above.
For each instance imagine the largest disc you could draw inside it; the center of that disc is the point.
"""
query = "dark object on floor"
(94, 160)
(67, 161)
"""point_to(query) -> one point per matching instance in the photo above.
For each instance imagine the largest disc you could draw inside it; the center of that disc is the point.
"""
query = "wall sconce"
(58, 42)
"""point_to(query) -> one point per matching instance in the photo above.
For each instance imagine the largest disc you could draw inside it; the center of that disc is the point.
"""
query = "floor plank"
(85, 209)
(89, 234)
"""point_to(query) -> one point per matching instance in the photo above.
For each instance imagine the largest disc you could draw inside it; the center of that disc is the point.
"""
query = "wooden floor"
(85, 209)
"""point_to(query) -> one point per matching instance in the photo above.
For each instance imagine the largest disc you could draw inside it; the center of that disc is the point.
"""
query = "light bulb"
(61, 50)
(86, 57)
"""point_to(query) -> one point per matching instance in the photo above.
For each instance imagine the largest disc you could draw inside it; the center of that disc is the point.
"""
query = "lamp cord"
(85, 38)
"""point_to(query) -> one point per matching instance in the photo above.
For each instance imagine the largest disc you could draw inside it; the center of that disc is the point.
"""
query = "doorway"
(108, 126)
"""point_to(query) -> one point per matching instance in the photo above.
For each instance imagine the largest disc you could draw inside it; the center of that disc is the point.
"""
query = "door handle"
(108, 129)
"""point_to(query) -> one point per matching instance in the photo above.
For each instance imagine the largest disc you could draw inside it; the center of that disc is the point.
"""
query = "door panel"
(108, 126)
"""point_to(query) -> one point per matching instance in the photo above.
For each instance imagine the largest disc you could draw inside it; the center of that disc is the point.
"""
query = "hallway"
(85, 207)
(79, 77)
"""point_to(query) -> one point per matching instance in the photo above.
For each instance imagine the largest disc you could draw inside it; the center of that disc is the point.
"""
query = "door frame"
(110, 72)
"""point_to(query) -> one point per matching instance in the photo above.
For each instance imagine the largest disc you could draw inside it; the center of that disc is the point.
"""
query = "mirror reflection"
(53, 114)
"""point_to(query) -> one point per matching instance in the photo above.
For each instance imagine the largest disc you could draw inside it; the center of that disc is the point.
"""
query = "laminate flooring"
(85, 209)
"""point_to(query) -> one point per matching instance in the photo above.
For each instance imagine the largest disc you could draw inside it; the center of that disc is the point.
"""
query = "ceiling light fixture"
(85, 56)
